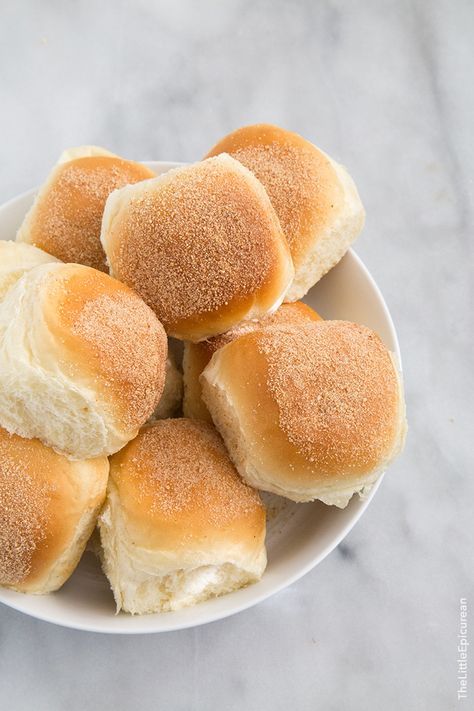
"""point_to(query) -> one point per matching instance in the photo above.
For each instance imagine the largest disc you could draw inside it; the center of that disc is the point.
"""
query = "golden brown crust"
(299, 179)
(195, 358)
(287, 315)
(178, 487)
(108, 334)
(42, 500)
(197, 355)
(66, 219)
(329, 393)
(202, 245)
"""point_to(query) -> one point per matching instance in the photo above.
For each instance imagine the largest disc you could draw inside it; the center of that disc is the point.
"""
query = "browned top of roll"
(107, 334)
(66, 219)
(202, 245)
(287, 315)
(43, 496)
(329, 392)
(177, 485)
(336, 391)
(197, 355)
(299, 179)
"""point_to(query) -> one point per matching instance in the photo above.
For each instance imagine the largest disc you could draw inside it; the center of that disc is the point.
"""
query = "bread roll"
(66, 216)
(48, 509)
(202, 246)
(197, 355)
(16, 259)
(179, 525)
(172, 395)
(82, 360)
(319, 413)
(314, 197)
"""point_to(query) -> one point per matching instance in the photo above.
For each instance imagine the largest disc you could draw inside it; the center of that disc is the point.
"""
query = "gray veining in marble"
(386, 87)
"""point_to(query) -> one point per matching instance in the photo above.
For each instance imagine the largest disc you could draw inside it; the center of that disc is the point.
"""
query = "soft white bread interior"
(172, 395)
(48, 509)
(314, 197)
(197, 355)
(179, 526)
(82, 360)
(202, 245)
(16, 259)
(319, 414)
(65, 218)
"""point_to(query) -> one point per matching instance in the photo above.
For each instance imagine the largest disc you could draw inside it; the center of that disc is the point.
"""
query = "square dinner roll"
(314, 197)
(202, 245)
(66, 216)
(48, 509)
(82, 360)
(197, 355)
(179, 526)
(309, 411)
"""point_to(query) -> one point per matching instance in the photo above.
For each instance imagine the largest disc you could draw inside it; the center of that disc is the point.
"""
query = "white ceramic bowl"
(299, 535)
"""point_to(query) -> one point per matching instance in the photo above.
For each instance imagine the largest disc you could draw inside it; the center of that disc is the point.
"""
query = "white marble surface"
(386, 87)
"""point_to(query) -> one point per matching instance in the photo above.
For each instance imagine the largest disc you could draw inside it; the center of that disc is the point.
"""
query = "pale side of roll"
(82, 360)
(70, 154)
(330, 244)
(179, 525)
(16, 259)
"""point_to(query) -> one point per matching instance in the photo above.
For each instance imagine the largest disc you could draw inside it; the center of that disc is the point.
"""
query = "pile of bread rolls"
(109, 263)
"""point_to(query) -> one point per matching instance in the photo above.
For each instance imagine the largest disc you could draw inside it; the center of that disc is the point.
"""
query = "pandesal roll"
(82, 360)
(179, 526)
(48, 509)
(314, 411)
(314, 197)
(202, 245)
(196, 356)
(66, 216)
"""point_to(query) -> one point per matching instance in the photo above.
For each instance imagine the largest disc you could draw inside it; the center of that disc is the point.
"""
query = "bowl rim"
(158, 623)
